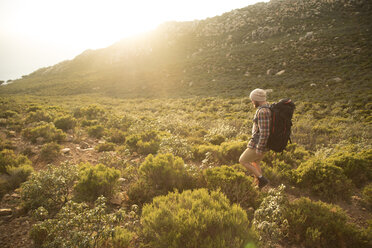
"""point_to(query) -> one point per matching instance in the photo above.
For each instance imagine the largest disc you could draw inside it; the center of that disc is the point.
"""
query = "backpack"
(280, 125)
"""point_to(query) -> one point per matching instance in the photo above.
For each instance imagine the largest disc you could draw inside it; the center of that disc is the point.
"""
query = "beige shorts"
(250, 155)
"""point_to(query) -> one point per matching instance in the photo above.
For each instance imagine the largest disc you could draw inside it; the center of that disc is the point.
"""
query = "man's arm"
(264, 116)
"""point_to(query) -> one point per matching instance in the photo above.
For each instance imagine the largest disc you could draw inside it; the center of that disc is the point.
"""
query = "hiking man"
(254, 153)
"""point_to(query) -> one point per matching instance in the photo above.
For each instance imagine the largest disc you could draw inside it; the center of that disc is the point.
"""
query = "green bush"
(157, 176)
(8, 160)
(94, 181)
(200, 152)
(145, 143)
(194, 219)
(8, 114)
(216, 139)
(165, 172)
(231, 151)
(356, 166)
(50, 152)
(92, 112)
(49, 188)
(324, 179)
(65, 123)
(270, 221)
(117, 137)
(14, 170)
(96, 131)
(18, 175)
(77, 225)
(176, 146)
(234, 184)
(38, 116)
(105, 147)
(317, 224)
(367, 196)
(46, 132)
(14, 178)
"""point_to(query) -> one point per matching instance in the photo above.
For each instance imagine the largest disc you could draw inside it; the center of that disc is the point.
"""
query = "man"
(252, 156)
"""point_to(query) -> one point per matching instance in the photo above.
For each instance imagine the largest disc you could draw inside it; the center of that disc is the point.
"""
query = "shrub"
(231, 151)
(38, 116)
(8, 159)
(324, 179)
(145, 143)
(356, 166)
(92, 112)
(8, 114)
(157, 176)
(18, 175)
(50, 152)
(95, 181)
(47, 132)
(165, 172)
(14, 169)
(234, 184)
(77, 225)
(117, 137)
(200, 152)
(216, 139)
(194, 219)
(105, 147)
(49, 188)
(65, 123)
(96, 131)
(176, 146)
(269, 219)
(367, 196)
(317, 224)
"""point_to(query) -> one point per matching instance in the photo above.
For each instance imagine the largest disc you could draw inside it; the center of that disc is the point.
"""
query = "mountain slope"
(322, 47)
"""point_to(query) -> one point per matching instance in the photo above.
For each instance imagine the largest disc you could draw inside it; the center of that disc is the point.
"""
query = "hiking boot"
(262, 182)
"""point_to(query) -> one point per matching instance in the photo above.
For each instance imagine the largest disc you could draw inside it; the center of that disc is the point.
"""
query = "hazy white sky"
(40, 33)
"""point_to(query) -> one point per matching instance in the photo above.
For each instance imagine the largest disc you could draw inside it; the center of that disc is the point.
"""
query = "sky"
(41, 33)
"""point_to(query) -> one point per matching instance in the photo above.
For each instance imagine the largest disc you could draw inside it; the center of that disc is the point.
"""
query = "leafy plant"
(317, 224)
(65, 123)
(46, 132)
(324, 179)
(50, 152)
(96, 131)
(234, 184)
(194, 219)
(77, 225)
(270, 218)
(105, 147)
(94, 181)
(49, 188)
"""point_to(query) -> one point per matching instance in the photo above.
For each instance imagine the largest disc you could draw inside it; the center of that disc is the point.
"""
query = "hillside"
(320, 47)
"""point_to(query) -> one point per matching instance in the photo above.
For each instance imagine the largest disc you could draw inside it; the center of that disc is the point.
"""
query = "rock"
(84, 145)
(12, 134)
(309, 35)
(65, 150)
(312, 85)
(269, 90)
(247, 74)
(15, 195)
(280, 73)
(118, 199)
(101, 142)
(122, 180)
(40, 140)
(336, 80)
(5, 212)
(270, 72)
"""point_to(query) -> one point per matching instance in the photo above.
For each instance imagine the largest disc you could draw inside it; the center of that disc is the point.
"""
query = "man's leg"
(249, 160)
